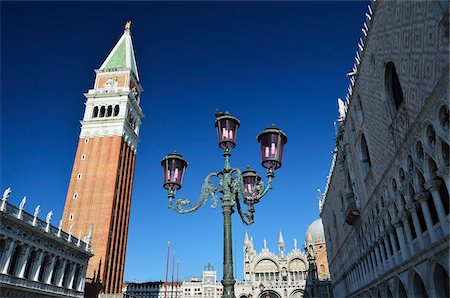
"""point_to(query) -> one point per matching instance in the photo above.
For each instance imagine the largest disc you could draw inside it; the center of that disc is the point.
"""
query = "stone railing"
(42, 225)
(18, 283)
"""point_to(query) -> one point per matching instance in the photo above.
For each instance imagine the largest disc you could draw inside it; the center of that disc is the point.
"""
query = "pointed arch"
(419, 287)
(393, 89)
(441, 281)
(365, 156)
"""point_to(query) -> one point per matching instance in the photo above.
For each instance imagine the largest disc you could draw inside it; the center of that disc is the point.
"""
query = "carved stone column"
(37, 266)
(6, 260)
(366, 270)
(404, 215)
(389, 255)
(384, 260)
(417, 228)
(60, 277)
(378, 258)
(394, 247)
(423, 198)
(21, 265)
(374, 263)
(49, 271)
(82, 280)
(401, 240)
(433, 187)
(73, 267)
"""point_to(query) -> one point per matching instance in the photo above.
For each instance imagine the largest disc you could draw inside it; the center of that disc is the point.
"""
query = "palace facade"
(386, 203)
(38, 259)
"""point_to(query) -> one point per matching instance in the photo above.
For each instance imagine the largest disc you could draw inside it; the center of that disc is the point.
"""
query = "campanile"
(101, 183)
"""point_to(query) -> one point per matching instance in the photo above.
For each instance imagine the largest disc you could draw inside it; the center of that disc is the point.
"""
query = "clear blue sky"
(265, 62)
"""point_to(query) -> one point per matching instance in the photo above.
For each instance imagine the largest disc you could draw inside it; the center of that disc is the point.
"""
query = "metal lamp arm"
(208, 190)
(267, 188)
(247, 216)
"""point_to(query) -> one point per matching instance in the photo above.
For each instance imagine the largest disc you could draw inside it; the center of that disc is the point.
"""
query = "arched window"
(443, 117)
(401, 290)
(102, 111)
(443, 191)
(359, 110)
(76, 278)
(444, 153)
(30, 262)
(441, 282)
(365, 156)
(15, 258)
(56, 269)
(394, 91)
(95, 112)
(419, 287)
(116, 110)
(109, 111)
(44, 265)
(335, 228)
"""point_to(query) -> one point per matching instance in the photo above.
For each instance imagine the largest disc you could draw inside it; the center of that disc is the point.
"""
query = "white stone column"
(409, 240)
(81, 283)
(22, 264)
(8, 255)
(60, 276)
(417, 228)
(73, 267)
(49, 272)
(37, 266)
(401, 240)
(423, 198)
(433, 187)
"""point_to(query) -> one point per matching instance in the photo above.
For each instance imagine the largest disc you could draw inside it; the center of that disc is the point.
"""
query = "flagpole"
(173, 263)
(167, 268)
(178, 270)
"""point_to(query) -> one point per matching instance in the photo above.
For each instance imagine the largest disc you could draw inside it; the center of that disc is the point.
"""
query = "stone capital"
(433, 185)
(403, 214)
(411, 207)
(421, 196)
(443, 172)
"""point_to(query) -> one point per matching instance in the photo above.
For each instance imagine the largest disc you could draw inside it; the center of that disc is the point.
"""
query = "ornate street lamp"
(234, 185)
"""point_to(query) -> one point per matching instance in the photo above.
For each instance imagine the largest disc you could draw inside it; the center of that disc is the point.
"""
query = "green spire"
(118, 59)
(122, 55)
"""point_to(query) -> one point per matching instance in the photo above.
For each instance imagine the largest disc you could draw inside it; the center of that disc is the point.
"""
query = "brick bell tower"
(99, 194)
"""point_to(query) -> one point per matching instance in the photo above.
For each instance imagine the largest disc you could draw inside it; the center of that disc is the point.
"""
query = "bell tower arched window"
(394, 91)
(95, 112)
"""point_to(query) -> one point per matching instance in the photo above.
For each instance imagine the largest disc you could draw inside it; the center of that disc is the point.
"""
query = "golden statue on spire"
(128, 25)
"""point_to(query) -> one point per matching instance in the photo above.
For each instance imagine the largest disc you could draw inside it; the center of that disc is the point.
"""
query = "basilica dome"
(315, 233)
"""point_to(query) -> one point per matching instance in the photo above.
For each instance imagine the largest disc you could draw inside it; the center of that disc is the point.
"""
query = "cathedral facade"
(298, 273)
(386, 203)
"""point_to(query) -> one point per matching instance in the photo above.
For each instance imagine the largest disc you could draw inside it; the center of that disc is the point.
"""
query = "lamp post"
(234, 185)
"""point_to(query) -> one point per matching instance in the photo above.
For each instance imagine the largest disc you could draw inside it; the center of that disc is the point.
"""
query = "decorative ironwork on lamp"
(234, 185)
